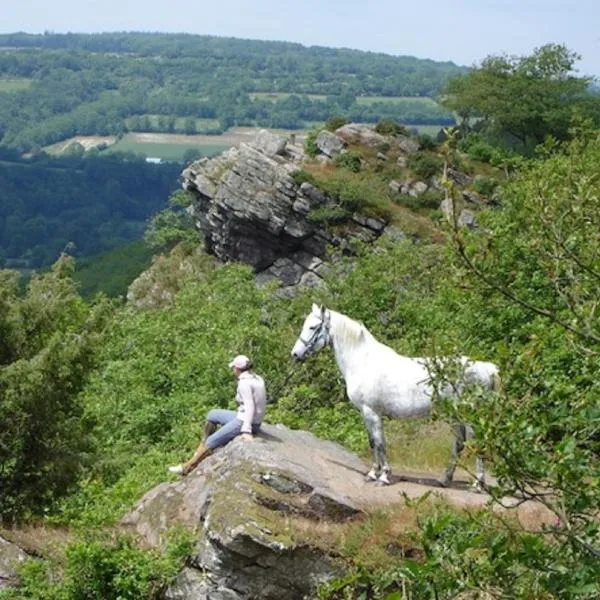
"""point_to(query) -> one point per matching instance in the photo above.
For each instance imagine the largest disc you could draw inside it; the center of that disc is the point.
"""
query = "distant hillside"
(94, 204)
(55, 86)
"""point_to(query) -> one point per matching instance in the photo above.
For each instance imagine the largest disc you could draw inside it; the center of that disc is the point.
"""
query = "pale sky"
(462, 31)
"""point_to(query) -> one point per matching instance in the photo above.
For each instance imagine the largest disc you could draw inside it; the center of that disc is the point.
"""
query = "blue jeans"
(231, 427)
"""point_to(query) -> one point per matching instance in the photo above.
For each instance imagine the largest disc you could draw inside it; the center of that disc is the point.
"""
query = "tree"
(528, 97)
(189, 126)
(531, 275)
(47, 349)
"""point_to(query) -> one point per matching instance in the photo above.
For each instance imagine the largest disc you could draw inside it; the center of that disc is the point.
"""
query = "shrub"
(349, 160)
(357, 192)
(310, 143)
(98, 567)
(425, 165)
(430, 199)
(328, 215)
(390, 127)
(301, 176)
(485, 185)
(173, 225)
(427, 142)
(336, 122)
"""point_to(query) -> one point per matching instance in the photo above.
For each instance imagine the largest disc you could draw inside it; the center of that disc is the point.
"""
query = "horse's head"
(314, 334)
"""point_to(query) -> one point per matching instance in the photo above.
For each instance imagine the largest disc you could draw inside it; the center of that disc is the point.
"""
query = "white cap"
(240, 362)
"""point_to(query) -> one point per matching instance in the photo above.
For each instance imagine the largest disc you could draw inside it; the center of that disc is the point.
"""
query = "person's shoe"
(177, 469)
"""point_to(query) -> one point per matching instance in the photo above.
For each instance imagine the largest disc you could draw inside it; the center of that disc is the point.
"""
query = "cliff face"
(249, 208)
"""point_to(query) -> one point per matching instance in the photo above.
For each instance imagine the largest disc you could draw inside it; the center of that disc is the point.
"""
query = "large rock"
(249, 208)
(260, 509)
(329, 143)
(408, 145)
(269, 515)
(10, 557)
(365, 135)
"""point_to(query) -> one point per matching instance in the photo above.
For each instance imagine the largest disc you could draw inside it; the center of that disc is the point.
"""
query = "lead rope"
(274, 396)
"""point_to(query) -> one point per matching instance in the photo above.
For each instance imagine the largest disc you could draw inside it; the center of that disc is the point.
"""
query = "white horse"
(380, 382)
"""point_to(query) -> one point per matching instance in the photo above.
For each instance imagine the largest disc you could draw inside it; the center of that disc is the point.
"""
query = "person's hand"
(247, 437)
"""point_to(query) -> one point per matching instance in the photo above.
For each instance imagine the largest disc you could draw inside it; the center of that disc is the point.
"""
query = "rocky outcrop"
(270, 515)
(329, 144)
(10, 557)
(158, 285)
(250, 205)
(260, 509)
(250, 208)
(364, 135)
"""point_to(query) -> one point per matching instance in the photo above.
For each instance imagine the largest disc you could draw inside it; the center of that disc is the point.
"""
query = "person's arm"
(245, 394)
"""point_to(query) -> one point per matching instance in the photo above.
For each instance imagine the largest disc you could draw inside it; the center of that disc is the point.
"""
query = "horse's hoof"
(443, 483)
(383, 481)
(371, 476)
(368, 479)
(478, 487)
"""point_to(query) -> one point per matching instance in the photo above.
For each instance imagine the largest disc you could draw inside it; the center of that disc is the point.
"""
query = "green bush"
(425, 165)
(335, 122)
(430, 199)
(365, 193)
(49, 345)
(349, 160)
(328, 215)
(310, 142)
(104, 568)
(427, 142)
(485, 186)
(173, 225)
(390, 127)
(301, 176)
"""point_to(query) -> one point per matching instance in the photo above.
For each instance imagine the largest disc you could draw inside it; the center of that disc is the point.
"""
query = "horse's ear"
(315, 308)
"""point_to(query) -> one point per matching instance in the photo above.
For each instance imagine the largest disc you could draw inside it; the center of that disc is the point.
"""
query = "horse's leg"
(370, 419)
(460, 435)
(380, 463)
(479, 483)
(380, 445)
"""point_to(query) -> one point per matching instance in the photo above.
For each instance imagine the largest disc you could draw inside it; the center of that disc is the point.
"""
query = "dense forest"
(57, 86)
(90, 204)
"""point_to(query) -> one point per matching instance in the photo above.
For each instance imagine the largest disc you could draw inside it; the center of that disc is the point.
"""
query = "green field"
(406, 100)
(274, 96)
(14, 84)
(167, 149)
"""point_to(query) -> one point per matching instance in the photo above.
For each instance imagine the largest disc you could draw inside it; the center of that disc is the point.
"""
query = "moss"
(283, 521)
(233, 507)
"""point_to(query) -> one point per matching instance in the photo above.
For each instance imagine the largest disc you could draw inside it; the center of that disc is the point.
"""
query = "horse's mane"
(347, 330)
